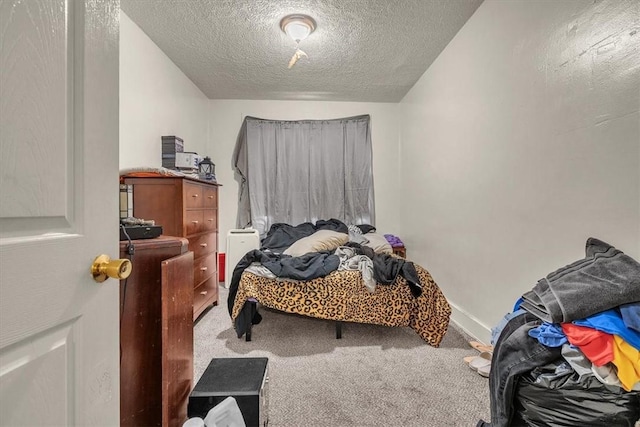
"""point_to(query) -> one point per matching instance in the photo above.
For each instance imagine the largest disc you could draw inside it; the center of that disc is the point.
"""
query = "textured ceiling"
(362, 50)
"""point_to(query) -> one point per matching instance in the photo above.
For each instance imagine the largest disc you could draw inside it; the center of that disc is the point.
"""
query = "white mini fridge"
(239, 242)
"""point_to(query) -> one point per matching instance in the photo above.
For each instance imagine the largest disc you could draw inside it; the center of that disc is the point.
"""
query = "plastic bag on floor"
(555, 395)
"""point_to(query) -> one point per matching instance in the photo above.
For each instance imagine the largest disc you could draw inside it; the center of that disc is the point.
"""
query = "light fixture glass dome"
(298, 27)
(297, 30)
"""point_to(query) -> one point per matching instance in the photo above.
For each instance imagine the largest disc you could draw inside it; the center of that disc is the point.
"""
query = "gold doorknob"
(104, 267)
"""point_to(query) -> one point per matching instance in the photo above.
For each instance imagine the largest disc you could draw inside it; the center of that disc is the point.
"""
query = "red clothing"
(597, 346)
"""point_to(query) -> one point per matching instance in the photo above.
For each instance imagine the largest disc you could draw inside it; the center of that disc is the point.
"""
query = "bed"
(328, 271)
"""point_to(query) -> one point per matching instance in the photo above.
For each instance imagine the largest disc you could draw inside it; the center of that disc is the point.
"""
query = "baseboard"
(470, 324)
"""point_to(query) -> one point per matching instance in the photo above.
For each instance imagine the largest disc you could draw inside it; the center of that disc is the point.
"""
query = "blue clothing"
(549, 334)
(631, 315)
(516, 306)
(496, 330)
(610, 321)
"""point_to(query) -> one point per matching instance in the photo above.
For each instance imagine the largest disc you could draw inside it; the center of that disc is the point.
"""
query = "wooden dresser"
(188, 208)
(156, 333)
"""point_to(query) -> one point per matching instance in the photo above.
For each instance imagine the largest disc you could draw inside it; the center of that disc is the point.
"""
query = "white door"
(59, 342)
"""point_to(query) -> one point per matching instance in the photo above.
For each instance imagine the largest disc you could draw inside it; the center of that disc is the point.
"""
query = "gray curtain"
(303, 171)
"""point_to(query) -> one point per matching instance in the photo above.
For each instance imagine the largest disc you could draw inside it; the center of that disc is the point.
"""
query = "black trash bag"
(555, 395)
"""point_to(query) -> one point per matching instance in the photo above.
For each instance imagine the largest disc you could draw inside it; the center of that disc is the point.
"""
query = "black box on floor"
(244, 378)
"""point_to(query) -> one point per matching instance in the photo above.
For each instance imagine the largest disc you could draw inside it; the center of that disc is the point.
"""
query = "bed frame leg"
(338, 329)
(249, 313)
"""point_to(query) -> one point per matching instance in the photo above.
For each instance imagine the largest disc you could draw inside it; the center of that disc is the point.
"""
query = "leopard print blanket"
(343, 296)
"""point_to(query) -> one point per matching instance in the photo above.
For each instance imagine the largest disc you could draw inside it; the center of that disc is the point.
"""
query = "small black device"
(135, 232)
(244, 378)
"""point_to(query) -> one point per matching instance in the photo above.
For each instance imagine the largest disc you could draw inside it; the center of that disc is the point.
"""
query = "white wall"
(226, 117)
(520, 142)
(156, 99)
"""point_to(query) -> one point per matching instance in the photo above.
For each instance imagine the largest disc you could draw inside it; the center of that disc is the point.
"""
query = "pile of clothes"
(272, 261)
(569, 352)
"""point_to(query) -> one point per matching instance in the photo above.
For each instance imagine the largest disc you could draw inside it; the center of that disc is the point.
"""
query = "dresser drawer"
(203, 244)
(193, 195)
(204, 267)
(205, 294)
(193, 222)
(209, 220)
(210, 197)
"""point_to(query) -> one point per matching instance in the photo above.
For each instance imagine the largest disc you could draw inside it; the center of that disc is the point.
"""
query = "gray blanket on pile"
(604, 279)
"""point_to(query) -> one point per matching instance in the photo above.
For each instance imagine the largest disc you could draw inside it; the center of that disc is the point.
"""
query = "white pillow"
(378, 243)
(321, 240)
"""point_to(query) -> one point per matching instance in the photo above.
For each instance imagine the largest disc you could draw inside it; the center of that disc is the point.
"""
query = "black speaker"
(245, 379)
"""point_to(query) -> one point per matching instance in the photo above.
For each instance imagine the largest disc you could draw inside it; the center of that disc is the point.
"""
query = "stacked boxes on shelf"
(170, 146)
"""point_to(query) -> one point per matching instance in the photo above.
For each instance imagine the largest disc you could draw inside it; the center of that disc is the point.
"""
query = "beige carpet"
(373, 376)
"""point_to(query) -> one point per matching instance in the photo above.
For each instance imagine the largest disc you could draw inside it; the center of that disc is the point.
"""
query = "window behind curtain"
(303, 171)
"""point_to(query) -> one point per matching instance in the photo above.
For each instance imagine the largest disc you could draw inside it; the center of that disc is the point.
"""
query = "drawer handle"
(194, 195)
(210, 219)
(204, 292)
(203, 268)
(211, 197)
(204, 245)
(195, 222)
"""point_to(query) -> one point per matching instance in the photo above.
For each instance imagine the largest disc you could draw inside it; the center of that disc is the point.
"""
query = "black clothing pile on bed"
(280, 236)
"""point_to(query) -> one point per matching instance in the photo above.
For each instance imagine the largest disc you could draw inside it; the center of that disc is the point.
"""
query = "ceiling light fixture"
(298, 27)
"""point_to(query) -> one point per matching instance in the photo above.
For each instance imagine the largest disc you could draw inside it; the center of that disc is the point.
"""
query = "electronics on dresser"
(135, 232)
(245, 379)
(135, 228)
(187, 161)
(171, 145)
